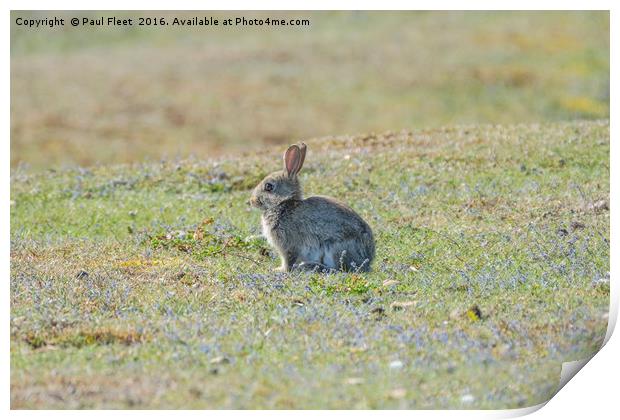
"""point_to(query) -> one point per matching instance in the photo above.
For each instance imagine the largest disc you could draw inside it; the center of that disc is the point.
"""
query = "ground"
(147, 285)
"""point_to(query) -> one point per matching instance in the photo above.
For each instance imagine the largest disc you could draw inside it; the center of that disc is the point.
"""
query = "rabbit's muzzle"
(255, 202)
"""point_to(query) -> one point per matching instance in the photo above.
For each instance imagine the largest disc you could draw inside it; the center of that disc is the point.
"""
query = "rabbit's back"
(325, 231)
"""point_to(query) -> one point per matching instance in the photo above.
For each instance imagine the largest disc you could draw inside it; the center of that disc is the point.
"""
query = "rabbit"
(314, 234)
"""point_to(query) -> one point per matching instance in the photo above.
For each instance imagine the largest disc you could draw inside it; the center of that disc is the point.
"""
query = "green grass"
(111, 95)
(145, 285)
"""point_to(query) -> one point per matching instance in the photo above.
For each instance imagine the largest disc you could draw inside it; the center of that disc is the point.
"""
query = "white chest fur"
(267, 231)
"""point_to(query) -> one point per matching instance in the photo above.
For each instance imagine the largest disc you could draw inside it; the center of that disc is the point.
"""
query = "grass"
(83, 96)
(145, 285)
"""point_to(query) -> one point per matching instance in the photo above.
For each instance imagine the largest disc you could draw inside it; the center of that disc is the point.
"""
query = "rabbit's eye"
(268, 186)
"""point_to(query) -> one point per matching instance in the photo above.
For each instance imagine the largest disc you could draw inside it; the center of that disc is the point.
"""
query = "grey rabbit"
(316, 233)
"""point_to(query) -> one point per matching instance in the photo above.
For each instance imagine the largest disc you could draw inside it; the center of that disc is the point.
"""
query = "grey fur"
(315, 234)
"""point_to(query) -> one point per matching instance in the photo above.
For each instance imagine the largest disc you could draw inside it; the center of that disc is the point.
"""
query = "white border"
(593, 391)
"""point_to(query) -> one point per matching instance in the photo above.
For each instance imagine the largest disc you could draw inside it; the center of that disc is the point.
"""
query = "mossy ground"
(145, 285)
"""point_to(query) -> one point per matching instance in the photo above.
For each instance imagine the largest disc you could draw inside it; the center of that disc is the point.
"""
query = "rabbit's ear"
(293, 160)
(302, 148)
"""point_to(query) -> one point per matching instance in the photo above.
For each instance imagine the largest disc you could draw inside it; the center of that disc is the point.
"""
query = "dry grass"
(100, 96)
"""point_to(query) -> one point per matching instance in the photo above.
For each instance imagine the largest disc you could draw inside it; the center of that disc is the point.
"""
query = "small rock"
(220, 360)
(81, 275)
(396, 364)
(467, 398)
(402, 305)
(397, 393)
(390, 283)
